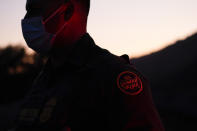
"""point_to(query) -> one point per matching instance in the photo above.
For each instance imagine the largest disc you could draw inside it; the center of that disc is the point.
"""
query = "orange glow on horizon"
(130, 27)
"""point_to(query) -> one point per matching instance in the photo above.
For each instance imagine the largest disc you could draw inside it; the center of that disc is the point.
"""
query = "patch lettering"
(28, 114)
(129, 83)
(48, 110)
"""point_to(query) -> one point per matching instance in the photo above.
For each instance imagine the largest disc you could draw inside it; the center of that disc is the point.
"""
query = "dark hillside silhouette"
(173, 76)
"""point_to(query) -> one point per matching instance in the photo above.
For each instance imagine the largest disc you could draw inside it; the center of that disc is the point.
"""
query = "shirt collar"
(78, 56)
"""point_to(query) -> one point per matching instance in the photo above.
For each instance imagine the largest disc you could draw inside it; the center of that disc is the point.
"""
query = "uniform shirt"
(92, 90)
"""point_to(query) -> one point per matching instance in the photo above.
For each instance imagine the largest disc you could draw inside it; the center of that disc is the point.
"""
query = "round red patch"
(129, 83)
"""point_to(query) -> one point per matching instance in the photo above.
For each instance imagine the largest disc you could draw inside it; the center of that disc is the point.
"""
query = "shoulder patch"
(129, 83)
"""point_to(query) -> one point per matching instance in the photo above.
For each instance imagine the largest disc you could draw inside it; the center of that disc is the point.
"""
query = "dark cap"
(39, 4)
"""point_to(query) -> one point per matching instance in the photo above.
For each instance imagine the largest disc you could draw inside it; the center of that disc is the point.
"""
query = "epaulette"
(125, 57)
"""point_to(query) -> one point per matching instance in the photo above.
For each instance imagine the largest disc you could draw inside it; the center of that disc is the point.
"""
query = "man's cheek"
(54, 24)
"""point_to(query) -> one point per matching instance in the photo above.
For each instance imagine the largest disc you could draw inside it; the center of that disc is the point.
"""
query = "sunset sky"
(133, 27)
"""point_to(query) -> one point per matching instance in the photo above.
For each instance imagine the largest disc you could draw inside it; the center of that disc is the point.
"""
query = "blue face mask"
(35, 35)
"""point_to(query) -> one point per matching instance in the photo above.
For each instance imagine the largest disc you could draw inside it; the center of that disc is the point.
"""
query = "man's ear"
(69, 12)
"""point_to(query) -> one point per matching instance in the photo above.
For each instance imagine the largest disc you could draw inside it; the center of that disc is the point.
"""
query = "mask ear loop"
(59, 31)
(61, 8)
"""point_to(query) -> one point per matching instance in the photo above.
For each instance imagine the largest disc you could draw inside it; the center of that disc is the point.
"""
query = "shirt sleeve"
(131, 104)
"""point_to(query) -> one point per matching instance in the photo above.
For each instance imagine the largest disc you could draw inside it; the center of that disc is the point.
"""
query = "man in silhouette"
(82, 86)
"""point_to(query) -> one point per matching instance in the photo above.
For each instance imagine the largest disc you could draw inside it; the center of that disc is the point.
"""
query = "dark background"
(171, 71)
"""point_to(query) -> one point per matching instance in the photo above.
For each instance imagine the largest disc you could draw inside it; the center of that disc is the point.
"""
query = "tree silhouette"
(17, 72)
